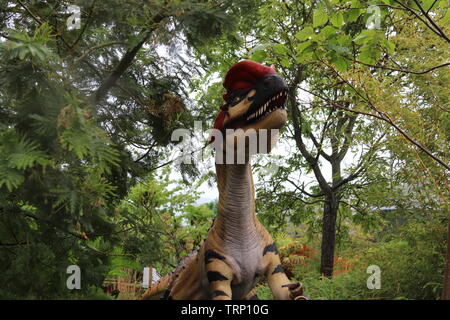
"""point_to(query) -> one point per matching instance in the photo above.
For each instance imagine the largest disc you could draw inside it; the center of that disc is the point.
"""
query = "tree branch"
(443, 35)
(80, 236)
(125, 62)
(437, 31)
(38, 20)
(383, 116)
(347, 136)
(302, 190)
(98, 47)
(403, 70)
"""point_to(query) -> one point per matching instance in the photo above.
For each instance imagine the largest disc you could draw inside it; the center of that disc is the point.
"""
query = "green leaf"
(336, 47)
(304, 34)
(361, 38)
(304, 57)
(355, 4)
(328, 31)
(369, 54)
(285, 62)
(23, 52)
(318, 38)
(320, 17)
(446, 18)
(259, 56)
(11, 178)
(390, 46)
(428, 4)
(341, 63)
(344, 40)
(280, 49)
(366, 36)
(352, 15)
(302, 46)
(443, 4)
(337, 20)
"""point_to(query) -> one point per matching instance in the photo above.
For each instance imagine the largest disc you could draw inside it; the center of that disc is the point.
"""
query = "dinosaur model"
(238, 249)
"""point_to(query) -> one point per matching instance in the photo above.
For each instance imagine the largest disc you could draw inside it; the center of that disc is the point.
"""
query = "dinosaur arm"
(219, 276)
(279, 283)
(277, 278)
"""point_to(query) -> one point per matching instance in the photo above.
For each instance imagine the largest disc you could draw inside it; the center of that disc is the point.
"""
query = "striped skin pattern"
(238, 249)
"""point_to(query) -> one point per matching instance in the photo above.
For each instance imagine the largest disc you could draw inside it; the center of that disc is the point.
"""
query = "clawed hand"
(296, 291)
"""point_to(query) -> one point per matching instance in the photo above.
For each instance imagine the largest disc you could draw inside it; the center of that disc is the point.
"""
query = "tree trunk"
(328, 234)
(446, 287)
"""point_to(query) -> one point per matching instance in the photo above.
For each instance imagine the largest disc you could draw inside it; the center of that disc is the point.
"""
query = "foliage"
(160, 223)
(411, 267)
(74, 142)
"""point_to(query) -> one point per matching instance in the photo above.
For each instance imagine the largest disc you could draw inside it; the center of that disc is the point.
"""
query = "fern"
(16, 155)
(22, 46)
(84, 138)
(11, 178)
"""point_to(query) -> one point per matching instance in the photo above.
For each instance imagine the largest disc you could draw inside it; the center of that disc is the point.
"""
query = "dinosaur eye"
(235, 100)
(237, 97)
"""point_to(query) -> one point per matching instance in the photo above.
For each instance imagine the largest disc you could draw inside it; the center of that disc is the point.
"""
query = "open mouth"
(274, 103)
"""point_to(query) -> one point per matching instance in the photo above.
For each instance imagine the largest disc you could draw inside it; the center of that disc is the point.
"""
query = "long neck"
(236, 219)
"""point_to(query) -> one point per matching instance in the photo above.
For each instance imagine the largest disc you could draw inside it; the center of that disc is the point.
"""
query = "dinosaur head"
(254, 100)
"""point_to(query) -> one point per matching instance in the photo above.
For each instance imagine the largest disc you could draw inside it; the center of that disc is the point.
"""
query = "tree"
(85, 114)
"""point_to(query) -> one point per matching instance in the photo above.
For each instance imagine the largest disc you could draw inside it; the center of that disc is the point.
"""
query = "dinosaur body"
(238, 249)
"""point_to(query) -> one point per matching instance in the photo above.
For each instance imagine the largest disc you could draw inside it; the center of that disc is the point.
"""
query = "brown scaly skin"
(238, 249)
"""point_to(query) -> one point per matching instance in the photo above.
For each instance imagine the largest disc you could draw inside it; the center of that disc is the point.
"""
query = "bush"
(412, 267)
